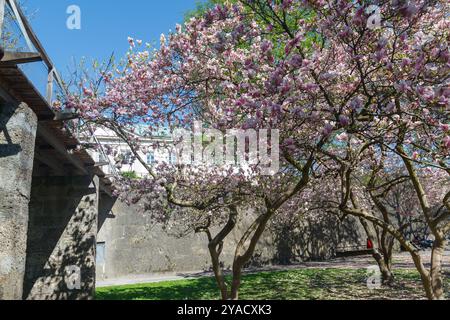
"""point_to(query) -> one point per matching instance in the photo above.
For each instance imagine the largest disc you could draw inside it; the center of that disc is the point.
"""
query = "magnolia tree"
(368, 189)
(371, 184)
(382, 72)
(237, 199)
(395, 99)
(310, 70)
(219, 69)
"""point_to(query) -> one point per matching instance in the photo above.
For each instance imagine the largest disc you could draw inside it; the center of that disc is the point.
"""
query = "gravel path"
(401, 260)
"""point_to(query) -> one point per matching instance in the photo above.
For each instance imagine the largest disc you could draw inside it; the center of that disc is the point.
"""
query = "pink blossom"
(328, 129)
(447, 142)
(344, 120)
(342, 137)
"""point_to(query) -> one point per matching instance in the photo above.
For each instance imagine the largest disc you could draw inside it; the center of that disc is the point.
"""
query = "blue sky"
(105, 26)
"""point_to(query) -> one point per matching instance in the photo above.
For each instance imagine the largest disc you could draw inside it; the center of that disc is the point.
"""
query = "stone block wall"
(61, 239)
(132, 244)
(18, 125)
(135, 245)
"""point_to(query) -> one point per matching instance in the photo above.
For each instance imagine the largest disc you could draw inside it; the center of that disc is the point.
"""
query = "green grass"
(305, 284)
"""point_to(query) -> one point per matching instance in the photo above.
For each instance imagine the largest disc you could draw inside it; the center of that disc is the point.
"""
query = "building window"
(128, 157)
(150, 158)
(100, 257)
(124, 157)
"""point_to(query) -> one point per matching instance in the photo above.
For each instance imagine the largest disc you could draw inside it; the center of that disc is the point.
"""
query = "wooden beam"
(50, 162)
(47, 118)
(88, 145)
(43, 111)
(105, 187)
(37, 44)
(99, 164)
(59, 146)
(20, 18)
(66, 116)
(30, 33)
(49, 147)
(13, 58)
(71, 147)
(46, 147)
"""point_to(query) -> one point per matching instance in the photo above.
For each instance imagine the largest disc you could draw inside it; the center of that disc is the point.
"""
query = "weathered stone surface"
(18, 126)
(62, 237)
(134, 245)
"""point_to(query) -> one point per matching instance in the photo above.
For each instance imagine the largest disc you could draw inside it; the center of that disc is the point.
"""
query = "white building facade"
(118, 158)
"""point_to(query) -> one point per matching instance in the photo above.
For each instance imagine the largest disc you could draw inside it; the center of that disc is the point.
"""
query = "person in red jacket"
(369, 244)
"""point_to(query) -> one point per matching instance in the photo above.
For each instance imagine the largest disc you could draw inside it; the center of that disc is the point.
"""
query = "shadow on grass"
(305, 284)
(197, 289)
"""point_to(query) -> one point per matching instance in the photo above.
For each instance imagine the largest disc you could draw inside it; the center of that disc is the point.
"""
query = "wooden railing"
(37, 53)
(36, 50)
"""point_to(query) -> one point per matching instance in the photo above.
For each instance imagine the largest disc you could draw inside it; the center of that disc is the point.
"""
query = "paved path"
(401, 260)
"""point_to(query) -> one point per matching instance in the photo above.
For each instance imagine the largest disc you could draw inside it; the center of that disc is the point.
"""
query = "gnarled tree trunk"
(215, 246)
(254, 233)
(437, 282)
(218, 273)
(379, 255)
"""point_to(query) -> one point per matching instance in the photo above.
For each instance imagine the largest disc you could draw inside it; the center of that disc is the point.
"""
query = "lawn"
(305, 284)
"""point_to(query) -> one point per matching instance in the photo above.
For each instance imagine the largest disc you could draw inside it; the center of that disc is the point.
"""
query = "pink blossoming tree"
(318, 72)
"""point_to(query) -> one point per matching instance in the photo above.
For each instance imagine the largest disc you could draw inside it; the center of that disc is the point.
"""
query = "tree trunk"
(236, 283)
(257, 228)
(215, 247)
(424, 274)
(386, 273)
(380, 258)
(386, 267)
(218, 274)
(437, 283)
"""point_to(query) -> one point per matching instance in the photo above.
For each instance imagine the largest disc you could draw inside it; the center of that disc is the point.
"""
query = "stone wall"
(316, 237)
(132, 244)
(18, 126)
(61, 239)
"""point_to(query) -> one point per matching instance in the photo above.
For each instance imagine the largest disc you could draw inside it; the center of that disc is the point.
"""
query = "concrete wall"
(18, 126)
(134, 245)
(61, 238)
(316, 237)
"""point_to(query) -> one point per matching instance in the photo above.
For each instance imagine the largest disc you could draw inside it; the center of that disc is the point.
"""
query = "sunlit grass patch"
(305, 284)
